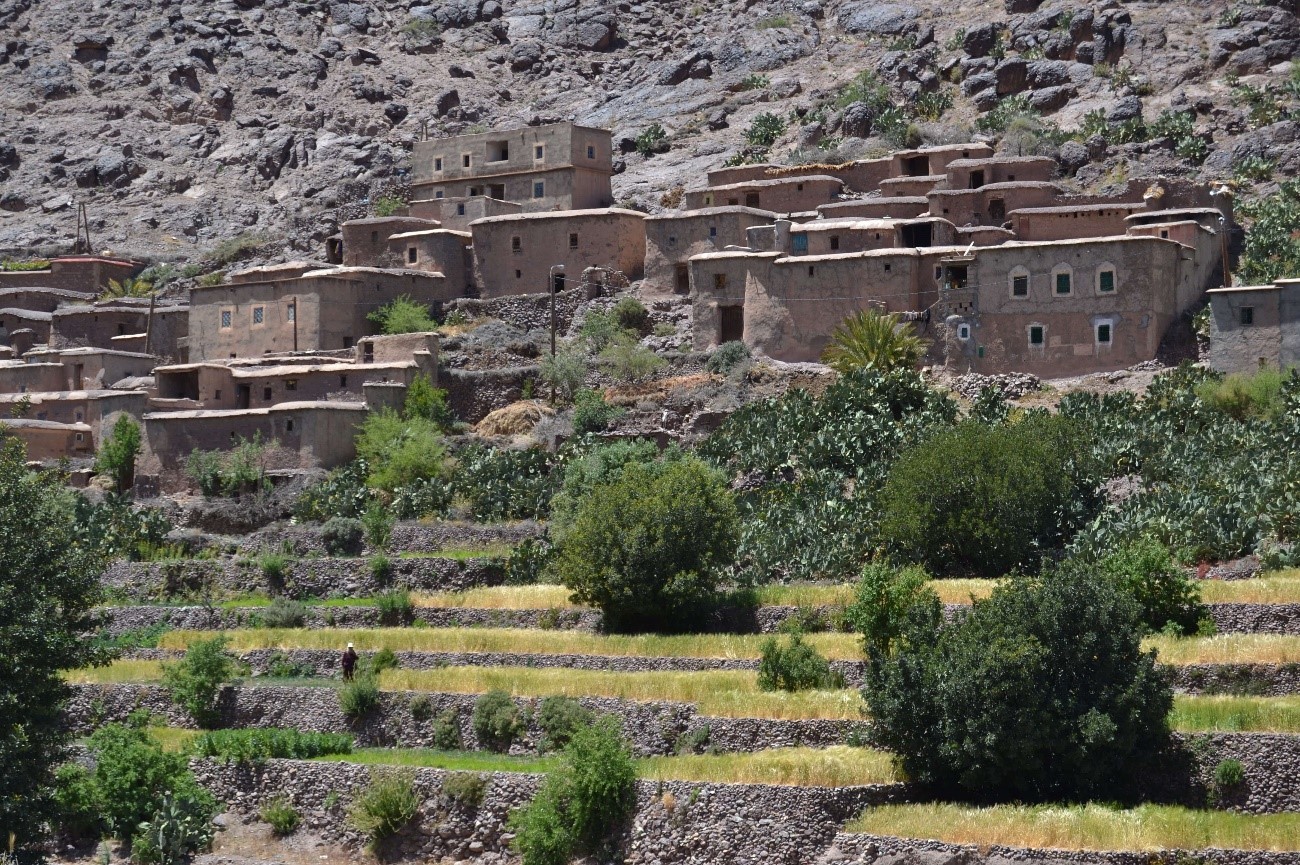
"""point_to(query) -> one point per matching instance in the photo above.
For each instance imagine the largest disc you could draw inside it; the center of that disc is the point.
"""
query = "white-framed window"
(227, 318)
(259, 314)
(291, 312)
(466, 159)
(1037, 334)
(1018, 281)
(437, 163)
(708, 201)
(1104, 331)
(963, 331)
(1062, 280)
(1106, 281)
(539, 189)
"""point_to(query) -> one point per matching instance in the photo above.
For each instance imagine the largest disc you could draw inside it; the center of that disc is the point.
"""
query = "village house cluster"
(998, 266)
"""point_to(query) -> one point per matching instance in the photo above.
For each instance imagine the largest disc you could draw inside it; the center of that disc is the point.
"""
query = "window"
(519, 274)
(963, 332)
(437, 163)
(498, 151)
(516, 244)
(1247, 316)
(460, 209)
(1019, 282)
(751, 199)
(888, 267)
(217, 394)
(573, 240)
(367, 352)
(799, 241)
(81, 437)
(437, 194)
(1062, 280)
(464, 160)
(226, 315)
(1035, 335)
(374, 237)
(411, 255)
(810, 270)
(1103, 333)
(343, 381)
(291, 312)
(719, 281)
(835, 241)
(799, 187)
(259, 314)
(1106, 281)
(672, 240)
(713, 231)
(591, 151)
(539, 189)
(266, 394)
(288, 425)
(291, 384)
(708, 201)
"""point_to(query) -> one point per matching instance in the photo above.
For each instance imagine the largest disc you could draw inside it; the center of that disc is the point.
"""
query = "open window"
(751, 199)
(976, 179)
(1037, 336)
(1104, 331)
(498, 151)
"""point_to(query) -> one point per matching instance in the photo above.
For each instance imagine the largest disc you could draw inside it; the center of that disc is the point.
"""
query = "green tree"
(195, 681)
(599, 465)
(1041, 693)
(1167, 598)
(984, 500)
(891, 605)
(565, 370)
(49, 585)
(649, 547)
(399, 450)
(116, 457)
(403, 315)
(869, 339)
(426, 402)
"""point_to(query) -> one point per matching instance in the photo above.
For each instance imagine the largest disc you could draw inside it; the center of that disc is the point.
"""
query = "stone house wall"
(49, 440)
(1070, 222)
(783, 195)
(672, 239)
(1237, 346)
(19, 377)
(40, 299)
(876, 208)
(457, 212)
(435, 251)
(975, 173)
(36, 323)
(365, 241)
(82, 273)
(990, 204)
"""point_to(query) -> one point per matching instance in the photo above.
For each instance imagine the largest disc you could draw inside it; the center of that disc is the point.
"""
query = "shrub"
(273, 566)
(395, 607)
(342, 493)
(1273, 241)
(116, 457)
(421, 708)
(181, 827)
(377, 521)
(279, 666)
(727, 357)
(890, 604)
(383, 660)
(600, 464)
(765, 129)
(1228, 774)
(871, 340)
(985, 500)
(76, 802)
(648, 547)
(582, 803)
(341, 536)
(465, 788)
(381, 568)
(281, 815)
(398, 450)
(497, 721)
(403, 315)
(1245, 396)
(284, 613)
(260, 744)
(1167, 597)
(1040, 693)
(591, 413)
(565, 370)
(446, 731)
(527, 561)
(504, 484)
(630, 314)
(653, 139)
(385, 807)
(195, 682)
(235, 472)
(794, 667)
(559, 718)
(387, 205)
(600, 328)
(359, 697)
(427, 402)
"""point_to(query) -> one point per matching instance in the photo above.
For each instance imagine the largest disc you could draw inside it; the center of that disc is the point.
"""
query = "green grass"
(1222, 649)
(461, 761)
(517, 640)
(1236, 714)
(537, 597)
(1084, 827)
(497, 551)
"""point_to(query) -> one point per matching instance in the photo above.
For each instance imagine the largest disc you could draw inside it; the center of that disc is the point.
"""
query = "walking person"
(349, 663)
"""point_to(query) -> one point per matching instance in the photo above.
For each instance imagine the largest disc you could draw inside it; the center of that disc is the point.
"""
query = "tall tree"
(48, 586)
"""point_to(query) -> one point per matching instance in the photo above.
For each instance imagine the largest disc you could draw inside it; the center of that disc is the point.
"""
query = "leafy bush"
(381, 568)
(446, 731)
(1245, 396)
(794, 667)
(868, 339)
(1166, 596)
(565, 370)
(527, 561)
(765, 129)
(591, 413)
(254, 746)
(195, 682)
(1040, 693)
(137, 638)
(626, 360)
(649, 546)
(1273, 239)
(279, 666)
(582, 803)
(181, 827)
(342, 536)
(630, 314)
(343, 493)
(116, 457)
(359, 697)
(76, 802)
(501, 484)
(235, 472)
(465, 788)
(1228, 774)
(986, 500)
(284, 613)
(385, 807)
(559, 718)
(653, 139)
(427, 402)
(273, 566)
(281, 815)
(383, 660)
(378, 521)
(1001, 115)
(395, 607)
(399, 450)
(727, 357)
(403, 315)
(890, 604)
(497, 721)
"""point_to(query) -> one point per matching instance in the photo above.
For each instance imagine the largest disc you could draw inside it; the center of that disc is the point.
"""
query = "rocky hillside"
(185, 123)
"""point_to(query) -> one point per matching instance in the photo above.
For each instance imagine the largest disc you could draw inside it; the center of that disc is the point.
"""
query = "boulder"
(857, 119)
(1072, 156)
(979, 41)
(352, 15)
(1020, 7)
(979, 83)
(1047, 73)
(1012, 76)
(445, 101)
(1128, 108)
(8, 155)
(879, 19)
(1050, 99)
(525, 55)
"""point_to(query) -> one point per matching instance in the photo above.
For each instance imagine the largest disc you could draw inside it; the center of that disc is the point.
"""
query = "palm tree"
(127, 288)
(872, 340)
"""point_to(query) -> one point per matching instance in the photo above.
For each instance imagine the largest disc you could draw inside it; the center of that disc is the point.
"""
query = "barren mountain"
(183, 124)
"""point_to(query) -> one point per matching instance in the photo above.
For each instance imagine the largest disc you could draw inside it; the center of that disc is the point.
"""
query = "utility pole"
(293, 305)
(148, 327)
(550, 289)
(1223, 251)
(82, 245)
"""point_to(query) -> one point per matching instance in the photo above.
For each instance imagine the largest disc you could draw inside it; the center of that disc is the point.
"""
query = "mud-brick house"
(557, 166)
(1254, 326)
(92, 407)
(89, 274)
(522, 254)
(297, 309)
(798, 194)
(49, 440)
(47, 369)
(121, 324)
(671, 239)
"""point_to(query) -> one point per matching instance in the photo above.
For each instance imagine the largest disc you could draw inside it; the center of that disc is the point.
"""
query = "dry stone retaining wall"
(853, 848)
(407, 537)
(1261, 680)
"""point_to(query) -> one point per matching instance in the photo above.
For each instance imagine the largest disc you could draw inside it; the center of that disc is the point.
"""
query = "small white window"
(226, 316)
(1104, 333)
(963, 332)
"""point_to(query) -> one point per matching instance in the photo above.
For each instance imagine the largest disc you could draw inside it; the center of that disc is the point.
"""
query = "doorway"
(731, 323)
(243, 395)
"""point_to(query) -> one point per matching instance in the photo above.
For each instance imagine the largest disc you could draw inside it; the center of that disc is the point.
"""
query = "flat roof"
(380, 220)
(426, 232)
(776, 181)
(878, 199)
(27, 313)
(339, 272)
(1176, 211)
(999, 160)
(1234, 289)
(1078, 208)
(558, 214)
(1001, 186)
(65, 395)
(42, 289)
(497, 132)
(284, 265)
(21, 423)
(846, 222)
(702, 212)
(194, 414)
(89, 309)
(910, 178)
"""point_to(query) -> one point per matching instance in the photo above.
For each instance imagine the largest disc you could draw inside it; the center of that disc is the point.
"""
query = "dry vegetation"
(839, 766)
(1084, 827)
(1236, 714)
(1226, 649)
